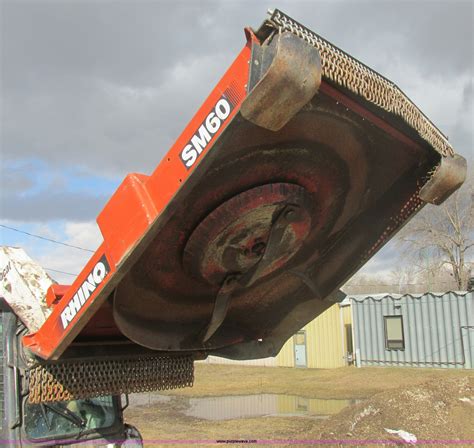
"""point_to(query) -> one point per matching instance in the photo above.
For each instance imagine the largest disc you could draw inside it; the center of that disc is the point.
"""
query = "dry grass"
(346, 382)
(423, 401)
(166, 423)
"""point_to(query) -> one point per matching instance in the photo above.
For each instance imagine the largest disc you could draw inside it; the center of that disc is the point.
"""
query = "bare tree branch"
(443, 236)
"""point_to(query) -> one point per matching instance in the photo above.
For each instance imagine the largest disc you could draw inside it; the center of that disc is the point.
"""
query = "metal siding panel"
(383, 355)
(429, 332)
(365, 325)
(365, 337)
(286, 356)
(325, 339)
(356, 327)
(393, 312)
(337, 348)
(387, 310)
(435, 305)
(320, 331)
(425, 334)
(421, 331)
(455, 346)
(377, 320)
(416, 334)
(370, 331)
(448, 326)
(432, 330)
(317, 335)
(338, 353)
(458, 319)
(402, 356)
(322, 337)
(312, 341)
(343, 337)
(335, 331)
(396, 354)
(373, 331)
(465, 318)
(441, 333)
(468, 333)
(410, 331)
(324, 358)
(451, 330)
(346, 315)
(449, 342)
(469, 338)
(470, 322)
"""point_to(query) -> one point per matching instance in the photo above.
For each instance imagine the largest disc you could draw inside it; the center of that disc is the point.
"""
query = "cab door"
(300, 349)
(9, 394)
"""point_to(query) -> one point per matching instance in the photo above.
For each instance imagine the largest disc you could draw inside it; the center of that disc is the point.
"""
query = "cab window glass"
(69, 418)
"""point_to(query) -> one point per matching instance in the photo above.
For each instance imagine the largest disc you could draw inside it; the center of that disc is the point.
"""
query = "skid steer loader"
(94, 421)
(299, 166)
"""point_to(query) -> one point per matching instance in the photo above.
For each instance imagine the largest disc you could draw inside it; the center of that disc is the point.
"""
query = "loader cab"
(51, 424)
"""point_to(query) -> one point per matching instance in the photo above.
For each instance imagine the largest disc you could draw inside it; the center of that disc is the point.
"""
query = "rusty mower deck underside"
(299, 166)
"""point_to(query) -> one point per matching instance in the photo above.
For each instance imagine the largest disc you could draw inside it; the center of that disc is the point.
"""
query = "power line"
(89, 250)
(46, 239)
(60, 272)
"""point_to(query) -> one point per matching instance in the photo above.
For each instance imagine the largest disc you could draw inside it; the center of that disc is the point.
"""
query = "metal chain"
(348, 72)
(95, 378)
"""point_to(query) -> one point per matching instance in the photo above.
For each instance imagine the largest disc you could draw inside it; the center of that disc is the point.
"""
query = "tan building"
(325, 343)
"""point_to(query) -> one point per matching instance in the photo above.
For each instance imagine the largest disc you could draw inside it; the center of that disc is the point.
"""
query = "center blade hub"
(233, 237)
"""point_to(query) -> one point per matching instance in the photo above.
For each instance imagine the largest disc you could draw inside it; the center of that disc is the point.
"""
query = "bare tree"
(403, 278)
(363, 283)
(443, 237)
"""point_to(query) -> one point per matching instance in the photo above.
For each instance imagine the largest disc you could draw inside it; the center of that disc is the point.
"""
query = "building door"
(349, 347)
(300, 349)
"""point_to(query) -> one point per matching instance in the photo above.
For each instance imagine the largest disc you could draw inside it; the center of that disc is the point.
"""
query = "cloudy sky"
(93, 90)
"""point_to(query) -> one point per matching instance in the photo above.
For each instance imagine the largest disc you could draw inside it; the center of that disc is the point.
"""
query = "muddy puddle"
(245, 406)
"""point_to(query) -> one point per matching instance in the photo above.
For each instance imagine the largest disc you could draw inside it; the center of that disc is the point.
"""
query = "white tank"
(23, 284)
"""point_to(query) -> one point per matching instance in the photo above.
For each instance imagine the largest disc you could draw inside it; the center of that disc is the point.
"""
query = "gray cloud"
(13, 183)
(468, 95)
(52, 205)
(109, 85)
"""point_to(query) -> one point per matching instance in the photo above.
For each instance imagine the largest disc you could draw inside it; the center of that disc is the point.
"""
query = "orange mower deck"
(281, 187)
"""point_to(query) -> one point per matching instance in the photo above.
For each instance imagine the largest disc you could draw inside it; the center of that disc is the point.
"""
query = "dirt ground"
(432, 404)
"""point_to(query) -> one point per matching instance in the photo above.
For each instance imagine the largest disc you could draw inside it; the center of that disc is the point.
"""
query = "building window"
(394, 339)
(300, 338)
